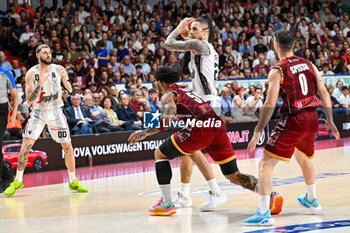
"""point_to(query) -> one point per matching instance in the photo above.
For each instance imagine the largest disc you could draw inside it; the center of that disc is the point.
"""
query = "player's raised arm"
(65, 80)
(267, 110)
(195, 45)
(327, 104)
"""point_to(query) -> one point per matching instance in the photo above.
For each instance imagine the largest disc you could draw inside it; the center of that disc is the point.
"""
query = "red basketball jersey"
(190, 105)
(298, 85)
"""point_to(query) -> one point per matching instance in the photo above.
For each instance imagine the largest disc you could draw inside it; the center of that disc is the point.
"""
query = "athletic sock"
(19, 176)
(71, 176)
(213, 186)
(185, 189)
(164, 174)
(166, 193)
(264, 203)
(311, 192)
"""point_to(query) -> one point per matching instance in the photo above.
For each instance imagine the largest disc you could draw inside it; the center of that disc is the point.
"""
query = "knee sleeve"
(163, 171)
(229, 168)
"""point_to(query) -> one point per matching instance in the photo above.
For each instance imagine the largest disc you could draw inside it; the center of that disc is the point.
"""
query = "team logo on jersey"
(151, 120)
(54, 78)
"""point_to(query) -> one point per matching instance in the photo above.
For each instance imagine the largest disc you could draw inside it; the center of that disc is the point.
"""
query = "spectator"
(112, 118)
(104, 81)
(114, 97)
(325, 69)
(79, 117)
(3, 63)
(260, 47)
(346, 58)
(145, 68)
(344, 99)
(113, 62)
(338, 90)
(122, 51)
(102, 52)
(138, 103)
(83, 64)
(153, 100)
(239, 107)
(337, 108)
(98, 115)
(74, 53)
(254, 103)
(128, 67)
(226, 106)
(262, 63)
(246, 50)
(127, 114)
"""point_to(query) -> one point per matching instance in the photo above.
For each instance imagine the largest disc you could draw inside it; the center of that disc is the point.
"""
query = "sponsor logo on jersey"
(49, 98)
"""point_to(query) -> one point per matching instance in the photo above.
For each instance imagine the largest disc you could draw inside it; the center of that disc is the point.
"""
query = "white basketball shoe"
(182, 201)
(214, 200)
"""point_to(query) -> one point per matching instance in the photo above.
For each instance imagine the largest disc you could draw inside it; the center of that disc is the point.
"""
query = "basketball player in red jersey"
(207, 131)
(298, 82)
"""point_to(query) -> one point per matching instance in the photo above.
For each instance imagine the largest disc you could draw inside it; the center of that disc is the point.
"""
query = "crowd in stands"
(105, 42)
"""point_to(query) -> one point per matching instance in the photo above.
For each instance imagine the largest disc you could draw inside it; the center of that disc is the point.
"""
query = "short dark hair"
(207, 23)
(167, 74)
(325, 65)
(152, 90)
(344, 88)
(285, 39)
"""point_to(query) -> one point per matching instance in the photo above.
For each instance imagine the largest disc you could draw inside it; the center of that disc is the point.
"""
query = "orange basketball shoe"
(276, 202)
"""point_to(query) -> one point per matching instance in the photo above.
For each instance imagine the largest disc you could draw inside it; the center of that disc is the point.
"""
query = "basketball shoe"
(259, 220)
(314, 206)
(13, 187)
(276, 202)
(75, 185)
(214, 200)
(182, 201)
(162, 209)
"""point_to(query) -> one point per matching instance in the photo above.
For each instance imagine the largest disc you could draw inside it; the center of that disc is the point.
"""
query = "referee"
(7, 83)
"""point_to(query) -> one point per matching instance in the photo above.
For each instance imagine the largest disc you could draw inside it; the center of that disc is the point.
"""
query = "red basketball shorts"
(293, 132)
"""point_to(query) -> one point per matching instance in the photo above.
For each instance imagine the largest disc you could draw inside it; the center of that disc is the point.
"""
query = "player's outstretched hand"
(253, 142)
(331, 126)
(137, 136)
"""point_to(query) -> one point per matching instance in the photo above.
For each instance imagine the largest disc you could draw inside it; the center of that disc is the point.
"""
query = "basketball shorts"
(293, 132)
(213, 139)
(56, 123)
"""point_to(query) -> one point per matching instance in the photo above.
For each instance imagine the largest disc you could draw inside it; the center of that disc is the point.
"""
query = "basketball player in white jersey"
(204, 67)
(43, 92)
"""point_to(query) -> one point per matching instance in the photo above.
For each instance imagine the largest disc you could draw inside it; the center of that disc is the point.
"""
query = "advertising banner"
(246, 82)
(110, 148)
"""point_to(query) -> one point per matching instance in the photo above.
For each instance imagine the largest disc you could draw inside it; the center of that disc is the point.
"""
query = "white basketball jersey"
(204, 72)
(50, 97)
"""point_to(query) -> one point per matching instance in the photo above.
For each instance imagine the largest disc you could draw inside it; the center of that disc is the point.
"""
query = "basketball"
(185, 34)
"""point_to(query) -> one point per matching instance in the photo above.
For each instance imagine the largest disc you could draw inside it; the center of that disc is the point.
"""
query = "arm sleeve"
(184, 63)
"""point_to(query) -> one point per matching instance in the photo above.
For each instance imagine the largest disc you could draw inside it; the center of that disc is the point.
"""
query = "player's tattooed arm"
(197, 46)
(65, 80)
(32, 91)
(169, 107)
(23, 158)
(141, 134)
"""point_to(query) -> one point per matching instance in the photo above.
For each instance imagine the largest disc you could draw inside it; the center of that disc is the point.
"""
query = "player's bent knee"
(159, 155)
(229, 168)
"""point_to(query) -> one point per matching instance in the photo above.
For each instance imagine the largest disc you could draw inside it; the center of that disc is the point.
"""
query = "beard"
(45, 61)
